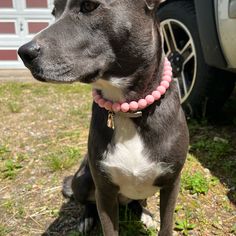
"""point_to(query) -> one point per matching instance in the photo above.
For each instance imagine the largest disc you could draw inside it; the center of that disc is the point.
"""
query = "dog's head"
(91, 39)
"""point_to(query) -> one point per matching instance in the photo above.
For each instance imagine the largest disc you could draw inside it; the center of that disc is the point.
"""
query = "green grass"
(233, 229)
(8, 205)
(213, 152)
(63, 159)
(14, 107)
(184, 226)
(215, 149)
(4, 231)
(184, 223)
(11, 163)
(4, 152)
(130, 225)
(195, 183)
(14, 207)
(10, 168)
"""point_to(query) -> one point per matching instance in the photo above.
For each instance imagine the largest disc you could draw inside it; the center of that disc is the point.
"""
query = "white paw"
(147, 219)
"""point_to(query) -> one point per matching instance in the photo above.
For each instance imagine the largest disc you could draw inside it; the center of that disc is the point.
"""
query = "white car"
(200, 41)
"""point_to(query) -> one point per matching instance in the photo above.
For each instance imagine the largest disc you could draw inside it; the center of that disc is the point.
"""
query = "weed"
(4, 231)
(14, 107)
(178, 208)
(4, 152)
(195, 183)
(131, 225)
(20, 211)
(233, 229)
(10, 169)
(63, 159)
(8, 205)
(184, 226)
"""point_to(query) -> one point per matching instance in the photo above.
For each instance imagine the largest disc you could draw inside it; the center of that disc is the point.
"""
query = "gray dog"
(138, 140)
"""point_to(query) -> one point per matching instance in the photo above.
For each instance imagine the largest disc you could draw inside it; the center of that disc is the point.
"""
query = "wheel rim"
(180, 49)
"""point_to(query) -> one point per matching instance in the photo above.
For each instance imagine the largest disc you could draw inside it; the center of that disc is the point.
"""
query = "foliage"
(184, 226)
(195, 183)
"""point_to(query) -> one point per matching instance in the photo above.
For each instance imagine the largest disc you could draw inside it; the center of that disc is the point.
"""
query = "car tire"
(203, 89)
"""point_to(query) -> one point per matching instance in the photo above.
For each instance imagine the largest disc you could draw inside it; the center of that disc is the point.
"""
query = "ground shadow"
(213, 143)
(66, 224)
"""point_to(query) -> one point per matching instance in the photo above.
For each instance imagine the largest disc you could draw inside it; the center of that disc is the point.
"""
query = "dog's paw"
(85, 225)
(147, 219)
(88, 219)
(66, 187)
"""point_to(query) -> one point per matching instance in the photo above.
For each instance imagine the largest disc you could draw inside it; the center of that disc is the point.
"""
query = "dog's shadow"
(67, 222)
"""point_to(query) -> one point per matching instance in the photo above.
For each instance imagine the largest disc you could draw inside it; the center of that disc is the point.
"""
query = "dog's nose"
(28, 52)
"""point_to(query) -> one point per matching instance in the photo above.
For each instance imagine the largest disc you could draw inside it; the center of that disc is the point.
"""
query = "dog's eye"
(88, 6)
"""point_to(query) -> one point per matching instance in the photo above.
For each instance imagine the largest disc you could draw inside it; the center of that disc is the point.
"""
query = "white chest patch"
(128, 164)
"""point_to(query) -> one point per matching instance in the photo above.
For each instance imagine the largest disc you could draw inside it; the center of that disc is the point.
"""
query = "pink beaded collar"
(142, 103)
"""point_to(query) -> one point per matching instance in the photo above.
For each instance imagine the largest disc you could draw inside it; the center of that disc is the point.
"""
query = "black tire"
(211, 88)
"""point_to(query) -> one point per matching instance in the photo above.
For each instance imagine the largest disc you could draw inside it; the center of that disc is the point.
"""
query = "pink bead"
(165, 84)
(125, 107)
(150, 99)
(133, 106)
(108, 105)
(167, 78)
(167, 63)
(101, 102)
(142, 103)
(156, 94)
(161, 89)
(168, 73)
(116, 107)
(168, 67)
(96, 98)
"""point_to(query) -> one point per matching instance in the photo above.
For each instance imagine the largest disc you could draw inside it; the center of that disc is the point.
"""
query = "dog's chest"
(127, 163)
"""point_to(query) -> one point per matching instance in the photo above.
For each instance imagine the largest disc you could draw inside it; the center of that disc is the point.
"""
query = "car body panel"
(226, 21)
(207, 28)
(217, 30)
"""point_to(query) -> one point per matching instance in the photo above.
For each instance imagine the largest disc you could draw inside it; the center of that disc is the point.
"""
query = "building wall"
(20, 20)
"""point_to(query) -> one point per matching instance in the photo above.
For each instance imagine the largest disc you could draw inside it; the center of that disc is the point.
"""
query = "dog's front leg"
(108, 210)
(168, 197)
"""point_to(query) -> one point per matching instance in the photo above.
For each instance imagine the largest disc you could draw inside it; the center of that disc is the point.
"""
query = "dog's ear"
(152, 4)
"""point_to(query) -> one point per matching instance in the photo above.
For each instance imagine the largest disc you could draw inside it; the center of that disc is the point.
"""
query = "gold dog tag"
(110, 120)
